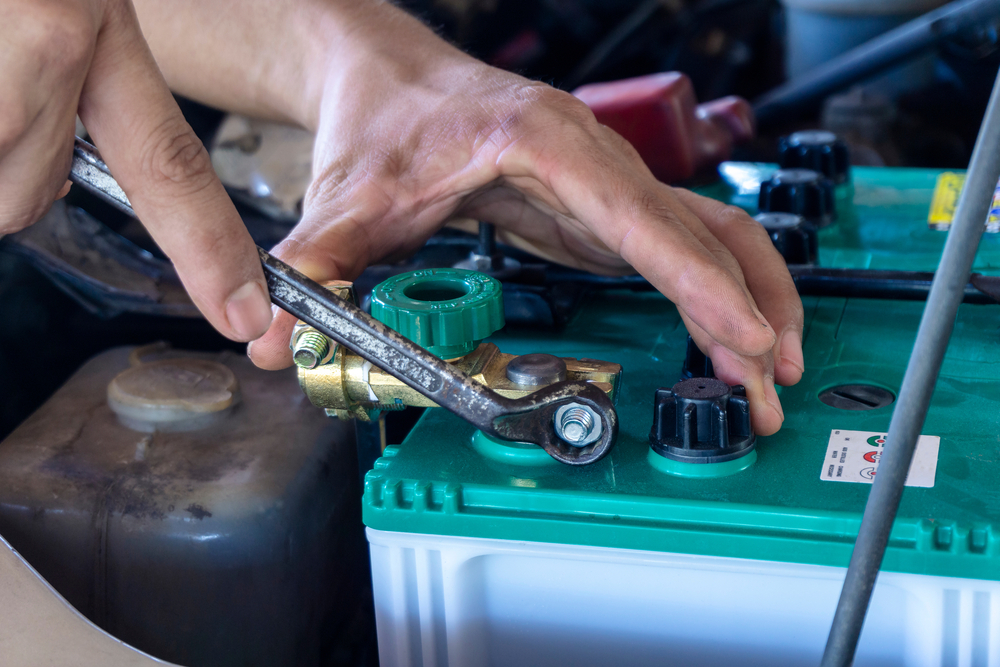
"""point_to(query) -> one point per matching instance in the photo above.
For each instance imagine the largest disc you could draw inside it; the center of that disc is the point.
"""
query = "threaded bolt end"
(576, 424)
(311, 348)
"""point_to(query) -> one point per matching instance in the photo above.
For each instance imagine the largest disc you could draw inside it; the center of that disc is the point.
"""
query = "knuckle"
(557, 106)
(736, 218)
(733, 222)
(690, 284)
(174, 156)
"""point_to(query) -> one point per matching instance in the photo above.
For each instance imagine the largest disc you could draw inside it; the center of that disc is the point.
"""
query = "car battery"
(485, 553)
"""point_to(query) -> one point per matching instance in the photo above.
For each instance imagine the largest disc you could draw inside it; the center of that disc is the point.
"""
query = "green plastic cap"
(446, 311)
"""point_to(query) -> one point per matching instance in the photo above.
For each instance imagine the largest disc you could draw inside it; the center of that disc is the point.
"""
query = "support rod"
(936, 325)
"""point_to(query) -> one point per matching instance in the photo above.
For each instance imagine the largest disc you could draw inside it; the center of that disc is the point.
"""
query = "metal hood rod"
(936, 325)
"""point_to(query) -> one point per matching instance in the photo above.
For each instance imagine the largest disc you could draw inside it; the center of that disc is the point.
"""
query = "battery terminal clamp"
(448, 312)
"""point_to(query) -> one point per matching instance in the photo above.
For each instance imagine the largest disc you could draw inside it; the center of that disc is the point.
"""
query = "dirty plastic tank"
(193, 506)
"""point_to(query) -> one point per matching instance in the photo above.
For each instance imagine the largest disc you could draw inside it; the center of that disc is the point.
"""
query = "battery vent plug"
(818, 150)
(802, 192)
(702, 420)
(793, 237)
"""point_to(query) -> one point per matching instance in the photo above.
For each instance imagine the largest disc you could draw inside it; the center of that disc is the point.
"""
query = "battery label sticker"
(853, 456)
(945, 201)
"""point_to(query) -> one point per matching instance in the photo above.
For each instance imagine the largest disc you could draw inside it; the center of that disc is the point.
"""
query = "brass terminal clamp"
(448, 312)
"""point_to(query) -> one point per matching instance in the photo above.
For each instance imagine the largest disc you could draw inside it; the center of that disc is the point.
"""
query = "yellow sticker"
(946, 192)
(993, 219)
(945, 201)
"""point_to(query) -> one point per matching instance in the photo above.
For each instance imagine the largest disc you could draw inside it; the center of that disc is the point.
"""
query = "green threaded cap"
(446, 311)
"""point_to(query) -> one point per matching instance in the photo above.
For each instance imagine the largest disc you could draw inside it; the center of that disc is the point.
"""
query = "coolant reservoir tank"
(192, 505)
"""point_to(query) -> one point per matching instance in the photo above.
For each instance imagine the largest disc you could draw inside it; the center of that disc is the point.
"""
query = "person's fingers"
(167, 175)
(329, 243)
(64, 190)
(271, 351)
(756, 374)
(41, 73)
(626, 208)
(766, 277)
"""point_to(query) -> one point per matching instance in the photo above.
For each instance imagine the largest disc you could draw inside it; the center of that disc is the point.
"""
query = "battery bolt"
(309, 347)
(577, 424)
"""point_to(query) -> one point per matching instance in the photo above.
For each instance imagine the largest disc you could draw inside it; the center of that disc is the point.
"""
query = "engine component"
(802, 192)
(487, 258)
(101, 270)
(702, 420)
(264, 164)
(816, 33)
(191, 505)
(793, 237)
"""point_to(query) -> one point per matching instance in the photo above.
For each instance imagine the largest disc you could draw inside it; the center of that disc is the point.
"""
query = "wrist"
(372, 44)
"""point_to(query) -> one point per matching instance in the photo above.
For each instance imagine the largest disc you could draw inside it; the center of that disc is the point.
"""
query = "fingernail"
(791, 350)
(250, 349)
(771, 395)
(249, 311)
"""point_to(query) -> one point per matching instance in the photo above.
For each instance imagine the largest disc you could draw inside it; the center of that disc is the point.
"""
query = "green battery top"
(790, 504)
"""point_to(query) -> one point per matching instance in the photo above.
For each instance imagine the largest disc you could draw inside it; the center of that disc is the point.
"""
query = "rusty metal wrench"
(528, 419)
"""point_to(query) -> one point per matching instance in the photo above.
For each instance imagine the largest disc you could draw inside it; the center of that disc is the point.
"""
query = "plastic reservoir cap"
(446, 311)
(179, 394)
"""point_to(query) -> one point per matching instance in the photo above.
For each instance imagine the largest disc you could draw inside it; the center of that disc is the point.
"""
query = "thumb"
(167, 174)
(322, 251)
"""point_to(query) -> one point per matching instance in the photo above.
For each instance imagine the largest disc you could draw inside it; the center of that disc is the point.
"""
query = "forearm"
(275, 58)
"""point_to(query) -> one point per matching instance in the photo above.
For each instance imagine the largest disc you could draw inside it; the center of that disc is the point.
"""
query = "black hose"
(817, 281)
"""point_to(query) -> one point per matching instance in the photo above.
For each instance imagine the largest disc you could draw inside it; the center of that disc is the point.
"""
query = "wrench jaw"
(532, 419)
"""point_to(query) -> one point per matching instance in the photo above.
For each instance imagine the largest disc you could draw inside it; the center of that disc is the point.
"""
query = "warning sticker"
(946, 193)
(853, 456)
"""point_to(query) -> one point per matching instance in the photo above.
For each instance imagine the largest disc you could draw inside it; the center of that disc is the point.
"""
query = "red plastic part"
(659, 115)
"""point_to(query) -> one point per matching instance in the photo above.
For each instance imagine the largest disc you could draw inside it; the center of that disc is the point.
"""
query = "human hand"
(64, 57)
(412, 133)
